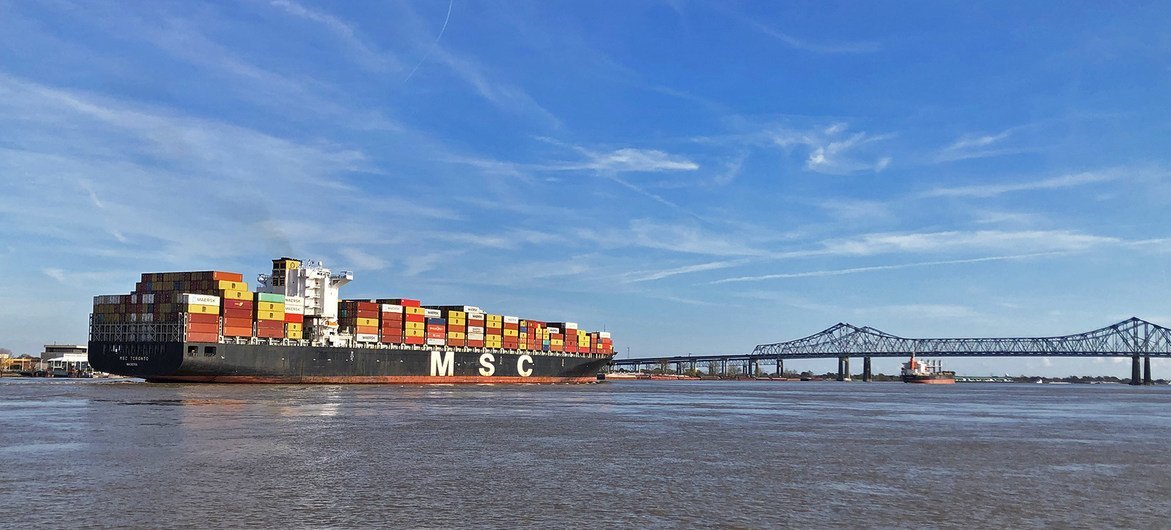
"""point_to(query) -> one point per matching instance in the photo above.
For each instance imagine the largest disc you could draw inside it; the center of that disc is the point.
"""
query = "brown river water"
(630, 454)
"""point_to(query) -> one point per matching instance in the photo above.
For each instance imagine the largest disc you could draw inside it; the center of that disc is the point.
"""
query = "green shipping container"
(267, 297)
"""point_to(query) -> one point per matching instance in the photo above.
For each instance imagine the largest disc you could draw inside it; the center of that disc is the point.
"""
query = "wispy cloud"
(1027, 241)
(859, 47)
(993, 190)
(829, 150)
(971, 146)
(673, 237)
(364, 54)
(627, 160)
(876, 268)
(646, 276)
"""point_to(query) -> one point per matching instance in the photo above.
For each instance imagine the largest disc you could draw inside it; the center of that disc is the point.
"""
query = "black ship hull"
(273, 363)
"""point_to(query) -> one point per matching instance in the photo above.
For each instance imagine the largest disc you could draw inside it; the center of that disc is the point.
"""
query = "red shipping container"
(229, 303)
(203, 337)
(203, 318)
(477, 343)
(415, 318)
(238, 322)
(413, 340)
(405, 302)
(227, 276)
(455, 342)
(237, 332)
(294, 318)
(238, 313)
(200, 327)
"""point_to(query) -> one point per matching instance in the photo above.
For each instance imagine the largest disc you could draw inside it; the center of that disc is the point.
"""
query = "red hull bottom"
(368, 379)
(932, 381)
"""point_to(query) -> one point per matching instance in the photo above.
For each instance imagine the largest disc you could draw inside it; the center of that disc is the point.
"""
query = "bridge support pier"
(1147, 370)
(780, 367)
(866, 375)
(1135, 371)
(843, 368)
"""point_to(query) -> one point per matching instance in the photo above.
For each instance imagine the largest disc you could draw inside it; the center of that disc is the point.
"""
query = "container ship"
(926, 372)
(207, 326)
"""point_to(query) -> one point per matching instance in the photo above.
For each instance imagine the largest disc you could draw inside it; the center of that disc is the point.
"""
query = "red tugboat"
(926, 372)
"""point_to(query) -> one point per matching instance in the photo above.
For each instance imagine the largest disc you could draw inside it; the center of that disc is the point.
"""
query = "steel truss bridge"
(1135, 338)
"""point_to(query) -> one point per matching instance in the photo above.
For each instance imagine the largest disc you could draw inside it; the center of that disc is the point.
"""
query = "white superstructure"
(313, 287)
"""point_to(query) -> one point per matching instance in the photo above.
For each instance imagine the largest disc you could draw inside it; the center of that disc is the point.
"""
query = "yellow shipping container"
(413, 333)
(510, 333)
(457, 322)
(202, 309)
(294, 335)
(455, 335)
(270, 306)
(415, 326)
(367, 321)
(499, 319)
(235, 294)
(270, 315)
(456, 314)
(556, 342)
(231, 286)
(413, 310)
(293, 326)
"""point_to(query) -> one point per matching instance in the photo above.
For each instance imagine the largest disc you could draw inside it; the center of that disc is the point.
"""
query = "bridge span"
(1135, 338)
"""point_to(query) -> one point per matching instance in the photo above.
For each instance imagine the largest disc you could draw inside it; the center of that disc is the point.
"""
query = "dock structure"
(1135, 338)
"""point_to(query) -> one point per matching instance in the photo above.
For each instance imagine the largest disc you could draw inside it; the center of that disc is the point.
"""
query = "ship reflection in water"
(702, 454)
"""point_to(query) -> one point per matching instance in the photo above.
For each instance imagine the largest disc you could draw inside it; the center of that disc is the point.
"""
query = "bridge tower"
(843, 368)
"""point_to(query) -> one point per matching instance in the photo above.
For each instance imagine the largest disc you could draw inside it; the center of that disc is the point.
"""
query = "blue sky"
(692, 176)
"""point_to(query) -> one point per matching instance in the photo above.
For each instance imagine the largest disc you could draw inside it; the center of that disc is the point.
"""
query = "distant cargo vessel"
(207, 326)
(926, 372)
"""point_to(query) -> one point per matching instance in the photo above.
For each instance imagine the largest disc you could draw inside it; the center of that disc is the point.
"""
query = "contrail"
(433, 45)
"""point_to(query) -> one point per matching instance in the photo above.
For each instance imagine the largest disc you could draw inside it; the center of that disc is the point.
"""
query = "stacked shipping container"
(270, 315)
(294, 317)
(361, 318)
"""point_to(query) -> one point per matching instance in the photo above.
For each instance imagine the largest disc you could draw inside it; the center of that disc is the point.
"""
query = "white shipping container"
(571, 325)
(435, 342)
(511, 320)
(295, 305)
(604, 334)
(475, 315)
(366, 337)
(471, 309)
(432, 313)
(475, 329)
(392, 308)
(554, 330)
(199, 299)
(479, 335)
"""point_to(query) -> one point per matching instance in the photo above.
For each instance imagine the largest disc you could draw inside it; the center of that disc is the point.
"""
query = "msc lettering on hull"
(443, 364)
